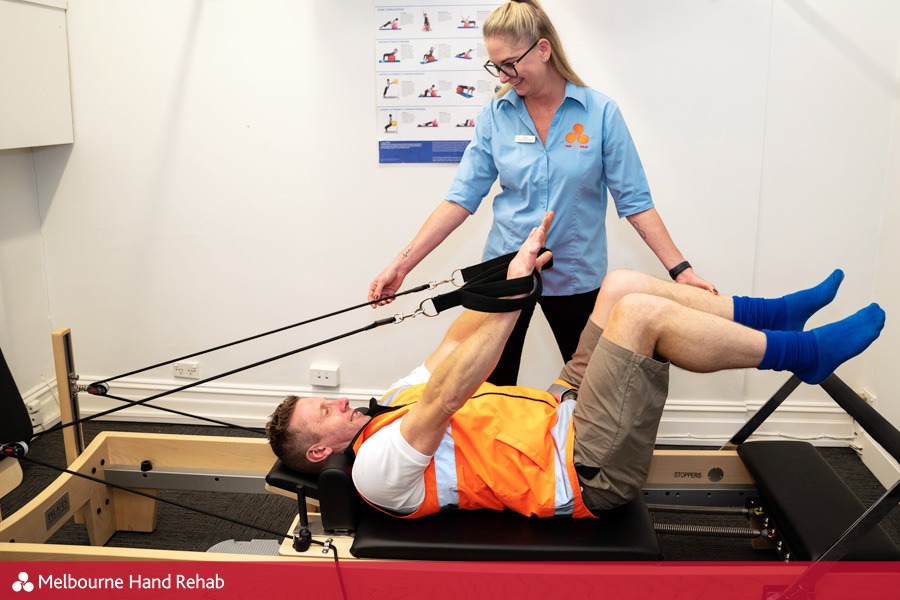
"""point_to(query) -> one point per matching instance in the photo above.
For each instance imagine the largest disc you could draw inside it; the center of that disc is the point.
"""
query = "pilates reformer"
(795, 503)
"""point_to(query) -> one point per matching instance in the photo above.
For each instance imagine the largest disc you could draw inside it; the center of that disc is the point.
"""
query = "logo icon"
(22, 584)
(577, 134)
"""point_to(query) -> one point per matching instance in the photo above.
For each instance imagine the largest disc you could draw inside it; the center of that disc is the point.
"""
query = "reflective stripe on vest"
(565, 498)
(445, 472)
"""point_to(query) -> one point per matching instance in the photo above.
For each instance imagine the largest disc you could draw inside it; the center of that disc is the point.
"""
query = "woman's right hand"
(445, 218)
(387, 283)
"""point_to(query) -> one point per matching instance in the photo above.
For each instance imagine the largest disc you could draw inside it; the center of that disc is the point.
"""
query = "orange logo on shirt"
(577, 134)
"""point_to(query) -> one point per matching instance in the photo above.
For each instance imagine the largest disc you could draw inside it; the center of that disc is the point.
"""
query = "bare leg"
(618, 284)
(786, 313)
(691, 339)
(703, 342)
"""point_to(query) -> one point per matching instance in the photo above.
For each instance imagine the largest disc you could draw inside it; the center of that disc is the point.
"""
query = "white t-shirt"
(388, 471)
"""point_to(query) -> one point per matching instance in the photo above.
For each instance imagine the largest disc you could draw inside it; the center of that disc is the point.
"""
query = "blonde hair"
(523, 22)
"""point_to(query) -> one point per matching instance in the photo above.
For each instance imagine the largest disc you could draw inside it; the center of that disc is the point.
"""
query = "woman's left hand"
(689, 277)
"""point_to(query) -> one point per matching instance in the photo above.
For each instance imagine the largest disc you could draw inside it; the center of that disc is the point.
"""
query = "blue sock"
(814, 355)
(788, 313)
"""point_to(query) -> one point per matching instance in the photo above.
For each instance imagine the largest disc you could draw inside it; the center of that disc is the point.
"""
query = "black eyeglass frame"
(497, 69)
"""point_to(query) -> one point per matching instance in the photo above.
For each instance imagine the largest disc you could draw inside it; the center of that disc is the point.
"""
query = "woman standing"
(555, 144)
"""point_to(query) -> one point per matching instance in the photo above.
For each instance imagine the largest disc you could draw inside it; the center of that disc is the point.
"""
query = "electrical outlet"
(186, 370)
(869, 396)
(325, 376)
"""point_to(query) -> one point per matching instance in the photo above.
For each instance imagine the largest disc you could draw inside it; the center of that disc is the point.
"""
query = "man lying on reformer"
(443, 438)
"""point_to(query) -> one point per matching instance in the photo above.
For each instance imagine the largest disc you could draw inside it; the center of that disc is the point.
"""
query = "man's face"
(333, 422)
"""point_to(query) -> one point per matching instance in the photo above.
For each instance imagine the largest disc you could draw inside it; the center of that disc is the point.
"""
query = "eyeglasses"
(508, 68)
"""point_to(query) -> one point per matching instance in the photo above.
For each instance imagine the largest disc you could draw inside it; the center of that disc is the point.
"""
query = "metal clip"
(399, 317)
(73, 384)
(327, 545)
(452, 279)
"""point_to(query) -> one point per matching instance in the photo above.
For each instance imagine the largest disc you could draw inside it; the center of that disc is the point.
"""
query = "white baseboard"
(712, 423)
(879, 462)
(42, 405)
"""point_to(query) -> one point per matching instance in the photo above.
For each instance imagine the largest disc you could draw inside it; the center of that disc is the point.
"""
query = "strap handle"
(486, 288)
(490, 297)
(495, 268)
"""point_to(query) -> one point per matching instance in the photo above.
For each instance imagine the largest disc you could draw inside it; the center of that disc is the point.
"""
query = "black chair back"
(15, 424)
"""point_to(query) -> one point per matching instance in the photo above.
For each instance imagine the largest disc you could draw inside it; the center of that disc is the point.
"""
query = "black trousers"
(567, 316)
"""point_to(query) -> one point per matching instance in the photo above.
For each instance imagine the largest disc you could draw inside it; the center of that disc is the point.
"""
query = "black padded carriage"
(623, 534)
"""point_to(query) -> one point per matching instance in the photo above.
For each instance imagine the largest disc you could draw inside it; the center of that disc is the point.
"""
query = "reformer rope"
(484, 289)
(251, 338)
(485, 272)
(131, 403)
(173, 411)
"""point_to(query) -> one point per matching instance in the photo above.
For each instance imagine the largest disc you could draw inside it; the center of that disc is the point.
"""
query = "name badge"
(525, 139)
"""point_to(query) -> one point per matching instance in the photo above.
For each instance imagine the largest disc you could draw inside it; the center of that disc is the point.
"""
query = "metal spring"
(714, 510)
(708, 530)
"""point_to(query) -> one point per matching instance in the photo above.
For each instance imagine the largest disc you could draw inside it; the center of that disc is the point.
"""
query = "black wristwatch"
(677, 269)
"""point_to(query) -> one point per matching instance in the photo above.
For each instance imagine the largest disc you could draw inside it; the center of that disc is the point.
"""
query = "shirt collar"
(373, 410)
(575, 92)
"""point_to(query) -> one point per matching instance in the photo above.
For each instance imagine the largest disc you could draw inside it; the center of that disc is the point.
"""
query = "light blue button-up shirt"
(588, 149)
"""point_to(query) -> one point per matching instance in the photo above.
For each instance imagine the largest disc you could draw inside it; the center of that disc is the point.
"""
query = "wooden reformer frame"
(707, 477)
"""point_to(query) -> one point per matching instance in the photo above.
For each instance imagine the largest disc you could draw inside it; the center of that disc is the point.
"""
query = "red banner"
(352, 579)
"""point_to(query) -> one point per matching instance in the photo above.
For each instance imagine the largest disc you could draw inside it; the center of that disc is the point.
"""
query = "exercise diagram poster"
(430, 83)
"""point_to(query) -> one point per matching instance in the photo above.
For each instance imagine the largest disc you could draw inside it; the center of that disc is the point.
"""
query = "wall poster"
(430, 82)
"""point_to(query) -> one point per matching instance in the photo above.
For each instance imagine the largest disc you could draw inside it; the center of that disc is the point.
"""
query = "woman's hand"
(387, 283)
(688, 277)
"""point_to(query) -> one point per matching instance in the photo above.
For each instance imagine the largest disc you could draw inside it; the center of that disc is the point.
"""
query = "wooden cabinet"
(35, 100)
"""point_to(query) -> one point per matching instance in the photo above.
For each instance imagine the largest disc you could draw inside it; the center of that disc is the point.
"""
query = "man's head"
(303, 432)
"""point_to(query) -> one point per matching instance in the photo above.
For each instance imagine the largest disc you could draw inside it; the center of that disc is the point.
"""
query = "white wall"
(224, 181)
(882, 359)
(24, 309)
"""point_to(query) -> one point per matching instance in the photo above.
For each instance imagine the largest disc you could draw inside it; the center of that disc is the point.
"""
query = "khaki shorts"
(620, 402)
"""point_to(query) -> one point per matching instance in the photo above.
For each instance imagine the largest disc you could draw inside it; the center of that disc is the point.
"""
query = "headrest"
(339, 501)
(283, 477)
(15, 426)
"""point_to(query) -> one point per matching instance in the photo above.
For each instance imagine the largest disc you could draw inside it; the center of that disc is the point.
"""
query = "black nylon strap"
(494, 269)
(486, 287)
(489, 297)
(488, 269)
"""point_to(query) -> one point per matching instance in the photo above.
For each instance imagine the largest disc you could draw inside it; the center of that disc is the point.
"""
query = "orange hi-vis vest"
(507, 448)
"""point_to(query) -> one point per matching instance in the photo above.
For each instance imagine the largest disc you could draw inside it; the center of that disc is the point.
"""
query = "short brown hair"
(290, 444)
